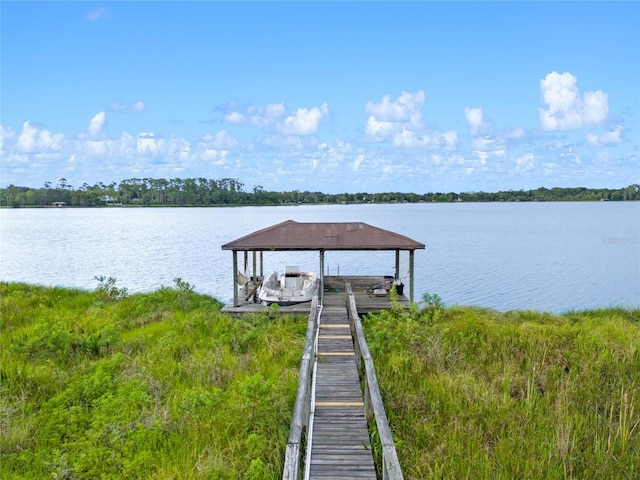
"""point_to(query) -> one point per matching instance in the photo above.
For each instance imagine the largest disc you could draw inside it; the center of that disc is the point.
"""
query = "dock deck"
(333, 295)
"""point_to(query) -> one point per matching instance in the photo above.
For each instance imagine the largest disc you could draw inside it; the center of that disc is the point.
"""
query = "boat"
(292, 287)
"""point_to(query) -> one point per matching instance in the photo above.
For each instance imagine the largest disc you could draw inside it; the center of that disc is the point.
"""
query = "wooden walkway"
(340, 448)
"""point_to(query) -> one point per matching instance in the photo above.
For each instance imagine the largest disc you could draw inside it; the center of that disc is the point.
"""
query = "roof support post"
(397, 264)
(321, 292)
(254, 266)
(411, 261)
(235, 277)
(261, 263)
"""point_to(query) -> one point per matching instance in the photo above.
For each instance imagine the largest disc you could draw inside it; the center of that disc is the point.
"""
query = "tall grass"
(161, 385)
(474, 393)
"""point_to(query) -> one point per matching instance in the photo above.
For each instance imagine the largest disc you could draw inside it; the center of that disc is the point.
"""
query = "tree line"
(231, 191)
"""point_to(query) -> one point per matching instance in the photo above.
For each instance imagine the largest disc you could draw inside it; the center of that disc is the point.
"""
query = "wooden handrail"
(302, 408)
(373, 400)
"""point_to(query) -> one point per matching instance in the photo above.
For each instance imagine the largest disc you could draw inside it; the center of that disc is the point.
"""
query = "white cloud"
(126, 145)
(97, 14)
(27, 139)
(357, 162)
(96, 148)
(613, 137)
(214, 156)
(119, 106)
(525, 163)
(304, 121)
(32, 139)
(408, 139)
(516, 134)
(96, 125)
(235, 118)
(147, 143)
(5, 134)
(259, 116)
(486, 144)
(477, 124)
(275, 110)
(400, 122)
(378, 130)
(222, 141)
(566, 108)
(406, 108)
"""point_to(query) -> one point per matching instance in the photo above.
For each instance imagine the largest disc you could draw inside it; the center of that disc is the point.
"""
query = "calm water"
(545, 256)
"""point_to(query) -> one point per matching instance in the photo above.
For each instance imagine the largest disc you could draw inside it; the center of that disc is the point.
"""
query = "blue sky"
(322, 96)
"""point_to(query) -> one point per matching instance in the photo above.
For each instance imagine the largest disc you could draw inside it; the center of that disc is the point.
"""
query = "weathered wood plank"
(340, 444)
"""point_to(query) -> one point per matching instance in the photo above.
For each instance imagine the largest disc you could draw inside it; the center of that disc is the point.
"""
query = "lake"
(545, 256)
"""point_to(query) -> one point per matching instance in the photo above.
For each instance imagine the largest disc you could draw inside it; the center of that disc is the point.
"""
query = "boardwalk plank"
(340, 443)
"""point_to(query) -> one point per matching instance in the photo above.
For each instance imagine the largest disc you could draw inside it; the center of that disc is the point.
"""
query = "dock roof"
(291, 235)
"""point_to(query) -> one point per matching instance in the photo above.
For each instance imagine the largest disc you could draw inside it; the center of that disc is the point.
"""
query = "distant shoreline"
(149, 192)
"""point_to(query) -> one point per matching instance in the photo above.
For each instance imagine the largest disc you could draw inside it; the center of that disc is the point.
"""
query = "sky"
(335, 97)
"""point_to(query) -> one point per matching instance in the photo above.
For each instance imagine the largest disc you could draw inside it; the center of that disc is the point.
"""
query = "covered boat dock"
(321, 237)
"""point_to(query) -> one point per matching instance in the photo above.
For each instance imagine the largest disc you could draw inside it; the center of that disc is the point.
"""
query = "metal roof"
(291, 235)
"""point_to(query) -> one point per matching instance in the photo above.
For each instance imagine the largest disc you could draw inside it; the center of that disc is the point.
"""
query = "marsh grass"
(161, 385)
(473, 393)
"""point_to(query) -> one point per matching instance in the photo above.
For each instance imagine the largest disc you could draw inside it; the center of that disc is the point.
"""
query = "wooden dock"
(329, 438)
(334, 293)
(339, 446)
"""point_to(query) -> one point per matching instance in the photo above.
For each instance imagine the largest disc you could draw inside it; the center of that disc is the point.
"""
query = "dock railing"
(301, 410)
(372, 398)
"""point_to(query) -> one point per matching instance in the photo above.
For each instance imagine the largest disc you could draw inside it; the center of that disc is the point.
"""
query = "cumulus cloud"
(357, 162)
(235, 117)
(406, 108)
(478, 125)
(525, 163)
(567, 108)
(5, 134)
(399, 118)
(251, 115)
(147, 143)
(96, 125)
(222, 140)
(213, 156)
(97, 14)
(33, 139)
(399, 122)
(408, 139)
(27, 138)
(378, 130)
(119, 106)
(304, 121)
(612, 137)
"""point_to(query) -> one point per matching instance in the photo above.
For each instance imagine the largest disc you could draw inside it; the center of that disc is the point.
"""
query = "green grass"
(474, 393)
(162, 385)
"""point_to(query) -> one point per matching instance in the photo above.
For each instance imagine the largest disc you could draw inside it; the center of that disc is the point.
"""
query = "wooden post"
(397, 264)
(261, 263)
(254, 266)
(321, 292)
(411, 261)
(235, 279)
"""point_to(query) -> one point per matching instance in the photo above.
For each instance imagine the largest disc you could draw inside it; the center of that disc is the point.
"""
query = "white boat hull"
(289, 289)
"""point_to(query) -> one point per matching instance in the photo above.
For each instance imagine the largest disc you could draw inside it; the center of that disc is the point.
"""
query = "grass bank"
(473, 393)
(162, 385)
